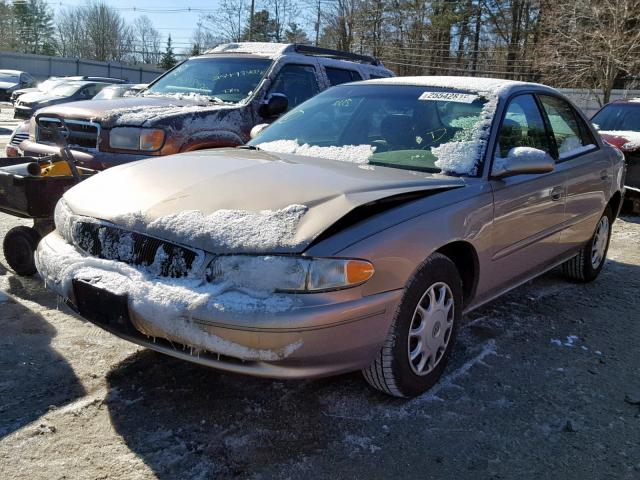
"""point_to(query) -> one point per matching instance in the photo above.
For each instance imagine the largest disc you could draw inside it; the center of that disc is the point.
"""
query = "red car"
(619, 124)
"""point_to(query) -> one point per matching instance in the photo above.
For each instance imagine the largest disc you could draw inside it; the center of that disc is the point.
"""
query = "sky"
(179, 23)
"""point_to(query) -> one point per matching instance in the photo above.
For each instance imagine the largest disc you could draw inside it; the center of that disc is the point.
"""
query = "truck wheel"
(423, 332)
(19, 245)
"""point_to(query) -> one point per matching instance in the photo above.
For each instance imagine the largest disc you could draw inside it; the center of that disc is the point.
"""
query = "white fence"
(42, 67)
(587, 101)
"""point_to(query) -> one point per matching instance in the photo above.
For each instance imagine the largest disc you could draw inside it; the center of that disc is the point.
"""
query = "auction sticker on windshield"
(449, 97)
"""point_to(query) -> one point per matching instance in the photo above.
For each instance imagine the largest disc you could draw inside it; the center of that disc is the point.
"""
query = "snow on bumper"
(285, 336)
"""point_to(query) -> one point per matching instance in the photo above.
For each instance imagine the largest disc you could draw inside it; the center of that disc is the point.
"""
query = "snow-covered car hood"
(7, 85)
(134, 111)
(37, 96)
(315, 192)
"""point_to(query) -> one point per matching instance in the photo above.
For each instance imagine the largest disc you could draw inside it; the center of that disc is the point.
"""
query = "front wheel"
(586, 266)
(421, 337)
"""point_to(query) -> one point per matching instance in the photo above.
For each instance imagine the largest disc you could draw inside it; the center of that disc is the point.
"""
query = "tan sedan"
(353, 233)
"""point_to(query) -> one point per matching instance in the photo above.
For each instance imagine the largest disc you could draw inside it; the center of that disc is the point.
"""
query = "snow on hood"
(346, 153)
(163, 107)
(224, 230)
(7, 85)
(632, 139)
(278, 203)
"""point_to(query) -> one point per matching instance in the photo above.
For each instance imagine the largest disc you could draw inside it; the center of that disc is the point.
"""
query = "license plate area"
(102, 307)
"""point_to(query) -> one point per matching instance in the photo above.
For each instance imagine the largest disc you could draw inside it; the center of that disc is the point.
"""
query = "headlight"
(128, 138)
(288, 274)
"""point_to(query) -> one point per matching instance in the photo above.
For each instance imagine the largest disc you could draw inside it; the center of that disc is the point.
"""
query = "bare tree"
(593, 43)
(147, 40)
(230, 20)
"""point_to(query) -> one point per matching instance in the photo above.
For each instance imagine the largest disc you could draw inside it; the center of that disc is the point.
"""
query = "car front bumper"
(323, 334)
(89, 159)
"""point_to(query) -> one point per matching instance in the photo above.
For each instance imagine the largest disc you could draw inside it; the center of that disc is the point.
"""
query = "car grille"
(18, 138)
(111, 243)
(78, 133)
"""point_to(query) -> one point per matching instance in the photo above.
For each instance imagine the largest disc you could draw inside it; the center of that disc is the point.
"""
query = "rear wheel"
(19, 245)
(423, 332)
(586, 266)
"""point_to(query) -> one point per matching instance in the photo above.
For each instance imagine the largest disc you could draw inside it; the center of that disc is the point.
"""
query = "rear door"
(589, 171)
(529, 210)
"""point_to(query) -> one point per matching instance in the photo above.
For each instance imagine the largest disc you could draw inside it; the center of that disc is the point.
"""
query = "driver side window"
(297, 82)
(522, 126)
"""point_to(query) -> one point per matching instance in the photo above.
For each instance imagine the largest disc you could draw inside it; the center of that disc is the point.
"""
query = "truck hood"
(238, 183)
(132, 111)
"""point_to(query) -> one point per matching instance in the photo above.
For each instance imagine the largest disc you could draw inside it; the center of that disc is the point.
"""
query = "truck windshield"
(229, 79)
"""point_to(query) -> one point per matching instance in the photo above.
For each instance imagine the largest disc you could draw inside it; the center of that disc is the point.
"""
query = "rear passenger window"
(522, 126)
(571, 134)
(297, 82)
(341, 75)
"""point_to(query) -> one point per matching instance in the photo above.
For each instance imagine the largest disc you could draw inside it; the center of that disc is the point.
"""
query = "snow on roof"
(256, 48)
(474, 84)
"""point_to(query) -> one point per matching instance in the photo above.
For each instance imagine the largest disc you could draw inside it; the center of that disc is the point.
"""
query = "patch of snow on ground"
(347, 153)
(569, 342)
(224, 231)
(362, 443)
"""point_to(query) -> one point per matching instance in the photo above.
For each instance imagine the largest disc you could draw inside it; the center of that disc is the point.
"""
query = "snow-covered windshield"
(619, 116)
(428, 129)
(230, 79)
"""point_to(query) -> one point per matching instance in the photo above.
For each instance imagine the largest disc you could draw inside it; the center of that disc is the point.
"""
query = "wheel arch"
(464, 256)
(615, 203)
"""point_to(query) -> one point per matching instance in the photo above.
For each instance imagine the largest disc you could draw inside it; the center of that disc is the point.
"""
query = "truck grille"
(111, 243)
(78, 133)
(18, 138)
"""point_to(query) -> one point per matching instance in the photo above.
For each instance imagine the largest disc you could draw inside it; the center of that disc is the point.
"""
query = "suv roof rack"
(337, 54)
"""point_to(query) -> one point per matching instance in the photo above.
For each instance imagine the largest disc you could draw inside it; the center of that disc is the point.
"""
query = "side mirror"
(523, 160)
(257, 130)
(274, 105)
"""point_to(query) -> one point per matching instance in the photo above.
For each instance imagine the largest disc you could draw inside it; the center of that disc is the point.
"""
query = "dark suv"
(213, 100)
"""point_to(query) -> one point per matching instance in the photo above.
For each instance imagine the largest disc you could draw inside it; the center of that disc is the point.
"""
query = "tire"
(19, 245)
(392, 371)
(584, 267)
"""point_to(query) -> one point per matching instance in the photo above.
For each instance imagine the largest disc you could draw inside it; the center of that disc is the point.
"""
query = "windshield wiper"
(249, 147)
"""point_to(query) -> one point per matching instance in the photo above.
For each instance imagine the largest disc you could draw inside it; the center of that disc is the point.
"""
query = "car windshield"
(618, 116)
(65, 89)
(399, 126)
(228, 79)
(49, 84)
(110, 93)
(9, 77)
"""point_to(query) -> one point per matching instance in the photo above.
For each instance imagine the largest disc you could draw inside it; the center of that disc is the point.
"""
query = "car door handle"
(604, 174)
(556, 193)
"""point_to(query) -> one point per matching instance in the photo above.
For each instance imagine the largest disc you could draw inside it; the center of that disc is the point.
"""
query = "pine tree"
(168, 59)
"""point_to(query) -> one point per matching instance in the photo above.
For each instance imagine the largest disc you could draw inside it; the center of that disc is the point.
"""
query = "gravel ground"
(544, 383)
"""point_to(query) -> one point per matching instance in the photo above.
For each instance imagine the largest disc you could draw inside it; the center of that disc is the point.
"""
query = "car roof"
(12, 72)
(495, 86)
(276, 50)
